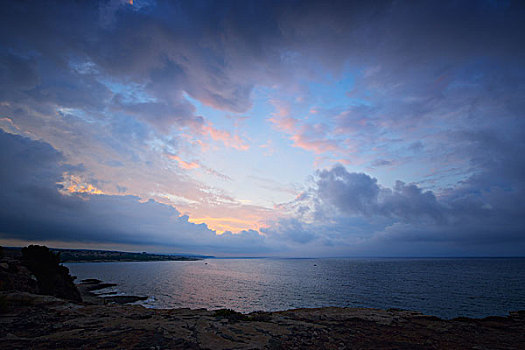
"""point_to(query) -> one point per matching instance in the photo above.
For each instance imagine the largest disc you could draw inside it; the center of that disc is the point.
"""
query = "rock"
(92, 284)
(42, 322)
(87, 286)
(93, 287)
(124, 299)
(17, 277)
(25, 299)
(91, 281)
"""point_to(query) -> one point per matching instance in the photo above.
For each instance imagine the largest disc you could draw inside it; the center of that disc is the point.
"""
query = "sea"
(444, 287)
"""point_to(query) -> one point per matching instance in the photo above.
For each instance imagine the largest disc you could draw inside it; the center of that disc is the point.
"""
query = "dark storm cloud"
(17, 73)
(482, 212)
(32, 208)
(70, 54)
(217, 51)
(358, 194)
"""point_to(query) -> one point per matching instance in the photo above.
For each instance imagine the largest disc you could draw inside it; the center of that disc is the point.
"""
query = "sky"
(264, 128)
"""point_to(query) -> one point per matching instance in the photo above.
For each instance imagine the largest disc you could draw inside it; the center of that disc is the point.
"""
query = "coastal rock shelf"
(88, 286)
(43, 322)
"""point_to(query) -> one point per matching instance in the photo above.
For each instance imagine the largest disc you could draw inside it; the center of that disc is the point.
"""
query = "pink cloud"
(282, 108)
(317, 146)
(225, 137)
(308, 137)
(286, 124)
(195, 164)
(183, 164)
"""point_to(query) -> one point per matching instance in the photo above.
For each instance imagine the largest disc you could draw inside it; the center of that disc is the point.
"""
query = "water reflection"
(442, 287)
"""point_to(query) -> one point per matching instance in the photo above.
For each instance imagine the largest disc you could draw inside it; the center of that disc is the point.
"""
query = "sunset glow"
(221, 225)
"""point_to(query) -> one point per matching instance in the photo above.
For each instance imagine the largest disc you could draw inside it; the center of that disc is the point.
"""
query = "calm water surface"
(443, 287)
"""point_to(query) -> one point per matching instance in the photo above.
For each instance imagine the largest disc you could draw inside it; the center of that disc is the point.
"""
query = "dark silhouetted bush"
(53, 278)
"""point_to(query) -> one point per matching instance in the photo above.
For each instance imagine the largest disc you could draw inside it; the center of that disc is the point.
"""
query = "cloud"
(182, 163)
(218, 54)
(353, 210)
(358, 194)
(33, 208)
(381, 163)
(348, 192)
(429, 93)
(226, 137)
(310, 137)
(351, 213)
(113, 60)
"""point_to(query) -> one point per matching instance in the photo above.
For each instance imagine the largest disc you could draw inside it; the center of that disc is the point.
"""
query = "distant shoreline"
(114, 261)
(87, 255)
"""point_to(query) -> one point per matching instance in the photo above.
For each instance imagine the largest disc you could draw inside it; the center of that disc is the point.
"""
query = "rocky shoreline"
(34, 321)
(88, 286)
(30, 319)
